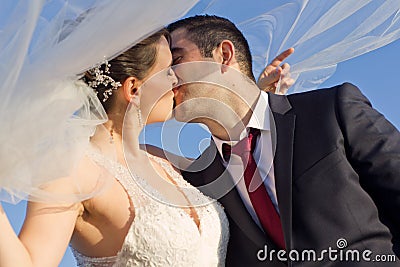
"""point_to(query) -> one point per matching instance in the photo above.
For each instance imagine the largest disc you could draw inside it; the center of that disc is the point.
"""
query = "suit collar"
(279, 103)
(282, 131)
(282, 141)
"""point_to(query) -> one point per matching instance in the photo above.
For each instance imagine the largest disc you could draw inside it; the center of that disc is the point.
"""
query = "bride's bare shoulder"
(84, 181)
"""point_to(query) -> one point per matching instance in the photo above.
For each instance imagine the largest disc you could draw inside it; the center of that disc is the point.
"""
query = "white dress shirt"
(263, 155)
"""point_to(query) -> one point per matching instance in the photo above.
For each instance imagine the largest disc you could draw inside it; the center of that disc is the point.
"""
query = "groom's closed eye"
(176, 60)
(176, 55)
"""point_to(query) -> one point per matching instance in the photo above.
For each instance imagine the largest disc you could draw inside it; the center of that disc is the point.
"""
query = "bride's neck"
(118, 139)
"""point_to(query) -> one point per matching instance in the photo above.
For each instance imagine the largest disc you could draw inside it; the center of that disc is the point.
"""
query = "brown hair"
(137, 62)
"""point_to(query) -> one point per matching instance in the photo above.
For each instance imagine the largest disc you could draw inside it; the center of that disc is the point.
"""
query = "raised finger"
(281, 57)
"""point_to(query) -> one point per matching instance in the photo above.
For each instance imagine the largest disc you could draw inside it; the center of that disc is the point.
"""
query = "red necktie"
(263, 206)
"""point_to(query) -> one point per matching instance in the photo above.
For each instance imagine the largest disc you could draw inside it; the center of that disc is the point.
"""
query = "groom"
(327, 163)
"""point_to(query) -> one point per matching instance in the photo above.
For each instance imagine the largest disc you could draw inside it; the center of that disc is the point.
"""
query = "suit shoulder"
(349, 91)
(313, 100)
(324, 95)
(321, 91)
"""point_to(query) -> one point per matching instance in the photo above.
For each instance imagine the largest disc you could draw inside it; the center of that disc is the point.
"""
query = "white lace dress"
(163, 235)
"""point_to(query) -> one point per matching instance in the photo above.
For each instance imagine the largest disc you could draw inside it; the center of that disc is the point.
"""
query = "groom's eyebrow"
(176, 49)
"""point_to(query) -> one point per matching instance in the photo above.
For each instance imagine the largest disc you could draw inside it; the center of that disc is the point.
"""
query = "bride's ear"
(131, 89)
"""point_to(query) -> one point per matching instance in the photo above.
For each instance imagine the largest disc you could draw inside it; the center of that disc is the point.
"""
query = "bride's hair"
(136, 62)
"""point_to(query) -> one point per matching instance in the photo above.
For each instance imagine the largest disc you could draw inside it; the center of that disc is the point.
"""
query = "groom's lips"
(176, 91)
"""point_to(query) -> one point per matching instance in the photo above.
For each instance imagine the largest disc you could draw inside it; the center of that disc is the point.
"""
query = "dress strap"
(122, 174)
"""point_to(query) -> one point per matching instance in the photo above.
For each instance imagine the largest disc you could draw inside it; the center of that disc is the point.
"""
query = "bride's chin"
(168, 117)
(160, 120)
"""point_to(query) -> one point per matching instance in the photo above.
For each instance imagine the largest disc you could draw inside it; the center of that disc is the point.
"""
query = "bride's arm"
(44, 236)
(48, 227)
(12, 251)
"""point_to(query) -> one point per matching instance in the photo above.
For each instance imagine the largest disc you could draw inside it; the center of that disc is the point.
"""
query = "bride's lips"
(175, 90)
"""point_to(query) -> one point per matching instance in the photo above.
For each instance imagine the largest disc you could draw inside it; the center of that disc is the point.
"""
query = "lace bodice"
(164, 235)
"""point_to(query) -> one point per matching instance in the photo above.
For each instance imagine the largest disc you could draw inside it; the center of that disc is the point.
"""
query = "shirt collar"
(260, 119)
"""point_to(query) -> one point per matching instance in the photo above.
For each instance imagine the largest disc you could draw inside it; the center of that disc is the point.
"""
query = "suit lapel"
(222, 187)
(219, 183)
(282, 140)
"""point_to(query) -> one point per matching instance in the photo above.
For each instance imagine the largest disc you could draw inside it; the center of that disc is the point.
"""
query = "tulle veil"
(323, 33)
(47, 117)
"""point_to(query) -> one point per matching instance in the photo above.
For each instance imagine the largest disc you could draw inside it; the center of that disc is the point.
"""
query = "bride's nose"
(174, 79)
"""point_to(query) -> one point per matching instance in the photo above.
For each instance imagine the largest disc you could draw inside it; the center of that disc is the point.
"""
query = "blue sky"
(375, 73)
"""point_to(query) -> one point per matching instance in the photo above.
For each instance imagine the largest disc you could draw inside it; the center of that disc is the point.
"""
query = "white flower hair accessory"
(100, 76)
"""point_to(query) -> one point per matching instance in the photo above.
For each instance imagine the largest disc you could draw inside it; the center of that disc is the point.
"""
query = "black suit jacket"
(337, 171)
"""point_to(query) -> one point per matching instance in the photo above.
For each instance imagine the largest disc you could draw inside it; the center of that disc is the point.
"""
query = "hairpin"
(102, 77)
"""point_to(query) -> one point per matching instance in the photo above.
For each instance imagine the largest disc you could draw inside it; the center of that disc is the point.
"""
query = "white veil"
(47, 117)
(323, 33)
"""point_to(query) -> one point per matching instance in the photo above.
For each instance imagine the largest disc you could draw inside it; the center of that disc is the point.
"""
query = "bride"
(143, 215)
(123, 226)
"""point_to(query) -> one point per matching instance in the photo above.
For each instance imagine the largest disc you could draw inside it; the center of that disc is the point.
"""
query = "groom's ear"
(225, 54)
(131, 88)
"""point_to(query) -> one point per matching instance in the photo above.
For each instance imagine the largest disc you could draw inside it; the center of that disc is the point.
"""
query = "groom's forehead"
(185, 49)
(180, 38)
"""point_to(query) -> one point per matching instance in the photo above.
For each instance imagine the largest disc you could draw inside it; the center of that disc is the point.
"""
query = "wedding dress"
(162, 234)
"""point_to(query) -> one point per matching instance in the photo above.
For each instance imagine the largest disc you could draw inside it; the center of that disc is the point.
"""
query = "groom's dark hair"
(207, 32)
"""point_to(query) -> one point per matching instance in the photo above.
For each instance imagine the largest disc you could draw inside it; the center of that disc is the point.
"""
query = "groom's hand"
(276, 74)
